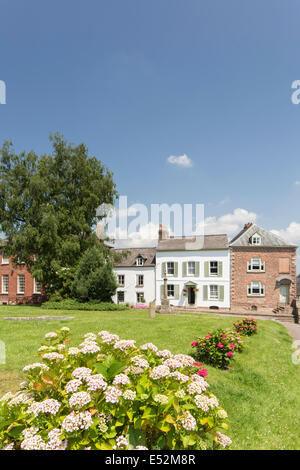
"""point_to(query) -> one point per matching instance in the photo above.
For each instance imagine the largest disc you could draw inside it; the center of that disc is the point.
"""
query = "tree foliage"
(48, 208)
(94, 279)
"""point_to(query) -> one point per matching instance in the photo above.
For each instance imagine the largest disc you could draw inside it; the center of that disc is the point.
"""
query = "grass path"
(260, 392)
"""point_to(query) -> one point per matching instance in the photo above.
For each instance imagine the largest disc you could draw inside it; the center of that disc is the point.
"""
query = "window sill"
(256, 295)
(4, 293)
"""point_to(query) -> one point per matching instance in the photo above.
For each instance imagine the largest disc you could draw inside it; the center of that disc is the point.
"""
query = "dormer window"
(255, 239)
(139, 261)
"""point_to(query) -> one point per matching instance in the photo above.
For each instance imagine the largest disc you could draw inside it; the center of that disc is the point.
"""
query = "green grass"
(261, 391)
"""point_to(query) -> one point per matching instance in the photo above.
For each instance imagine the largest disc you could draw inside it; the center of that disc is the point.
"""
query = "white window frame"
(18, 284)
(213, 267)
(138, 283)
(121, 284)
(120, 292)
(139, 261)
(217, 290)
(5, 258)
(256, 239)
(2, 283)
(140, 294)
(36, 289)
(258, 286)
(254, 262)
(191, 272)
(170, 264)
(172, 288)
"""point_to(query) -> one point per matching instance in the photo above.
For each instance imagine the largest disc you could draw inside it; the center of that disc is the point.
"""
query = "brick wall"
(240, 278)
(13, 297)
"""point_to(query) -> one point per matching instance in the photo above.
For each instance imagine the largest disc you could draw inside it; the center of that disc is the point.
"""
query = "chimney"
(163, 233)
(247, 225)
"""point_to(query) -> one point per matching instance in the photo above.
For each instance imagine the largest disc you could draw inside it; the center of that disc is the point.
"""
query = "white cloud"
(146, 236)
(182, 160)
(229, 223)
(297, 183)
(290, 234)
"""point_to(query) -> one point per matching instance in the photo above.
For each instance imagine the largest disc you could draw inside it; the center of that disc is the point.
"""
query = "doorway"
(284, 294)
(191, 295)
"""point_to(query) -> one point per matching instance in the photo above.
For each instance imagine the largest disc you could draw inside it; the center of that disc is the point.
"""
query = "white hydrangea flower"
(124, 344)
(112, 394)
(79, 399)
(65, 328)
(8, 446)
(159, 372)
(96, 382)
(73, 351)
(140, 361)
(173, 363)
(43, 348)
(164, 353)
(54, 441)
(51, 334)
(188, 421)
(149, 346)
(53, 356)
(89, 347)
(29, 432)
(90, 336)
(50, 406)
(61, 347)
(204, 402)
(184, 359)
(73, 385)
(19, 398)
(162, 399)
(222, 414)
(179, 376)
(223, 440)
(121, 379)
(36, 365)
(33, 443)
(196, 387)
(129, 395)
(140, 448)
(180, 394)
(82, 373)
(121, 442)
(76, 421)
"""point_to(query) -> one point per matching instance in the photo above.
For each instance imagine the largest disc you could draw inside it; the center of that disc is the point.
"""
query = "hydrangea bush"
(108, 393)
(247, 326)
(217, 348)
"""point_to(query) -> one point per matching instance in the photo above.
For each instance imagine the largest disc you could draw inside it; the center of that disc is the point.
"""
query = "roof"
(268, 239)
(147, 253)
(207, 242)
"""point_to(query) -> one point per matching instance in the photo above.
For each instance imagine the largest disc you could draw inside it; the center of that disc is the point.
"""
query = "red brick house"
(17, 286)
(263, 271)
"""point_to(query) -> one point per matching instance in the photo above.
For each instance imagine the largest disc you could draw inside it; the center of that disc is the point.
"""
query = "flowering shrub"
(247, 326)
(217, 348)
(107, 393)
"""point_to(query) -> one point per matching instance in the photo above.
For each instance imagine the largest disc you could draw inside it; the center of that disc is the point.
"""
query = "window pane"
(5, 284)
(170, 268)
(21, 284)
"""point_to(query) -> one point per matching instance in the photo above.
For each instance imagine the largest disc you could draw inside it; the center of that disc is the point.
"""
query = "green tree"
(94, 279)
(48, 208)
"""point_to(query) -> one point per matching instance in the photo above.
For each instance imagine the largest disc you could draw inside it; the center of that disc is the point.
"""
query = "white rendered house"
(196, 276)
(135, 276)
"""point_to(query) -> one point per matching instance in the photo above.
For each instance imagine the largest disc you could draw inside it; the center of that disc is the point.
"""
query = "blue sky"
(141, 81)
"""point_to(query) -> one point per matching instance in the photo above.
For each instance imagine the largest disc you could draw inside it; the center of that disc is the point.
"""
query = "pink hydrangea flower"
(194, 343)
(220, 345)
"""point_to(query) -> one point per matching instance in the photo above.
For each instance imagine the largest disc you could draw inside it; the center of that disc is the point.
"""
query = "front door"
(191, 295)
(284, 294)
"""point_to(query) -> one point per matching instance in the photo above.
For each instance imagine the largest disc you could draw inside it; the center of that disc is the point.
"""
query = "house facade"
(197, 276)
(135, 276)
(263, 271)
(17, 286)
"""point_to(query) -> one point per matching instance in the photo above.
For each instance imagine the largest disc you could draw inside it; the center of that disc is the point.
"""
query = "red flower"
(223, 336)
(197, 364)
(220, 345)
(194, 343)
(232, 346)
(208, 336)
(229, 354)
(203, 372)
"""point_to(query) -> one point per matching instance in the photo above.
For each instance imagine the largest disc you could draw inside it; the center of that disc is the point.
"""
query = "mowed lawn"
(261, 391)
